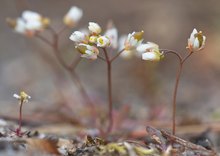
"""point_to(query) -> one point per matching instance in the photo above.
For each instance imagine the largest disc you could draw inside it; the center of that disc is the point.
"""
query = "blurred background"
(145, 87)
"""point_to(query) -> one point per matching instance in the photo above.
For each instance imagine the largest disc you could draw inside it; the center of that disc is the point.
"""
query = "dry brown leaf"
(42, 145)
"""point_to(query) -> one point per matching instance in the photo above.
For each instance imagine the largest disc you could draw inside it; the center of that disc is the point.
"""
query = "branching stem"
(179, 72)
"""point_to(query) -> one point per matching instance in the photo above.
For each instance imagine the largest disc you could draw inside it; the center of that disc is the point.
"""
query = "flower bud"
(79, 37)
(196, 41)
(150, 51)
(94, 28)
(73, 16)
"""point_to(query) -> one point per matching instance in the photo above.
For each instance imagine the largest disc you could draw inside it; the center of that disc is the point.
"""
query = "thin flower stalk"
(179, 72)
(109, 76)
(109, 61)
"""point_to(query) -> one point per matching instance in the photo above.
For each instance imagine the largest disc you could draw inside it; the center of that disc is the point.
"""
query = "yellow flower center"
(101, 41)
(23, 96)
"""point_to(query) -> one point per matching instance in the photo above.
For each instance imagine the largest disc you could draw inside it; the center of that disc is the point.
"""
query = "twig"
(163, 138)
(185, 143)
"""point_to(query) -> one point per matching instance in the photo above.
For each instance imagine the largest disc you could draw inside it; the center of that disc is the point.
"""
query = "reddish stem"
(179, 72)
(109, 76)
(18, 130)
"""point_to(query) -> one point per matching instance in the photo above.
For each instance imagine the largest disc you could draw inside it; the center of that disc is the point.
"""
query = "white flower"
(150, 51)
(94, 28)
(112, 34)
(31, 15)
(147, 47)
(23, 97)
(87, 51)
(29, 23)
(196, 41)
(33, 20)
(103, 41)
(133, 40)
(79, 37)
(73, 16)
(34, 25)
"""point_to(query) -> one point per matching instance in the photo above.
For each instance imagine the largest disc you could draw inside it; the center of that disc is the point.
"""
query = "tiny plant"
(151, 52)
(90, 45)
(22, 98)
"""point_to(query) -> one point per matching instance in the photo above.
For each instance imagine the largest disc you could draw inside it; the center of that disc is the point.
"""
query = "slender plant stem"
(109, 77)
(179, 72)
(18, 131)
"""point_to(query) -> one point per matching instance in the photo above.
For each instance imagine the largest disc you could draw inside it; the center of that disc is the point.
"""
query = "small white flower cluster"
(130, 43)
(87, 44)
(133, 46)
(23, 97)
(73, 16)
(150, 51)
(29, 23)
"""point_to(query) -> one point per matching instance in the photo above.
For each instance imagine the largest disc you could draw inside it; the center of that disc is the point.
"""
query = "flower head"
(196, 41)
(29, 23)
(133, 40)
(94, 28)
(23, 97)
(79, 37)
(73, 16)
(150, 51)
(103, 41)
(87, 51)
